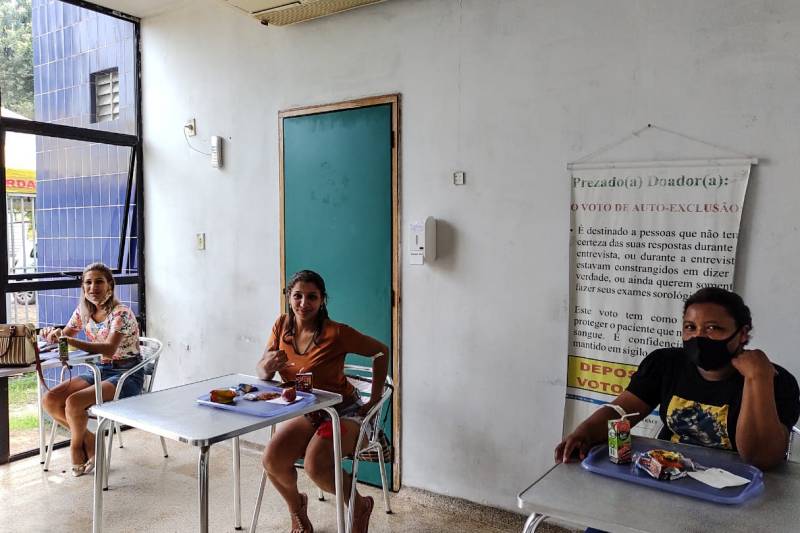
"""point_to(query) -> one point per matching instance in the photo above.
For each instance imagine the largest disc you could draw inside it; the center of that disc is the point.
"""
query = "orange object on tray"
(222, 396)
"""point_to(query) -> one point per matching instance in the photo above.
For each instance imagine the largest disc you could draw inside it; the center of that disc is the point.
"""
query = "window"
(105, 95)
(70, 136)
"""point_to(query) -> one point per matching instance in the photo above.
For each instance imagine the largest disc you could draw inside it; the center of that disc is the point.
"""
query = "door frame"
(394, 101)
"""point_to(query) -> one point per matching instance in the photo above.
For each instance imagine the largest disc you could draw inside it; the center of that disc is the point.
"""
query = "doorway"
(339, 217)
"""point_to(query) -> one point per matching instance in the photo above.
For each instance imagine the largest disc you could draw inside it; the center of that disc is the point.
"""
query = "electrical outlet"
(201, 241)
(458, 178)
(190, 128)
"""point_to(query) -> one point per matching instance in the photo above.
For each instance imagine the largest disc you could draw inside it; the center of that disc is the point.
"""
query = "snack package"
(664, 464)
(222, 395)
(246, 388)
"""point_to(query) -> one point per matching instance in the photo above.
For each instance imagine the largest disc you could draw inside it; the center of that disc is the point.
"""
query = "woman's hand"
(51, 334)
(578, 441)
(274, 361)
(754, 364)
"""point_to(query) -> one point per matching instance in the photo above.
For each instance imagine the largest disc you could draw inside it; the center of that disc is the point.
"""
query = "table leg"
(99, 474)
(202, 486)
(40, 418)
(237, 486)
(533, 522)
(337, 460)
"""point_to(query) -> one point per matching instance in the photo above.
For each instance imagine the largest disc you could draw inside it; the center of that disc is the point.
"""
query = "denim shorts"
(347, 410)
(112, 372)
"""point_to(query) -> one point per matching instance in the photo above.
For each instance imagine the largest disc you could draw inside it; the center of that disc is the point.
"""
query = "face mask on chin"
(709, 354)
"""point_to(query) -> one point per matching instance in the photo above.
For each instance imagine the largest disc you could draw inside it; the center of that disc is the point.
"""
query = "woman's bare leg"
(54, 401)
(77, 418)
(319, 465)
(287, 445)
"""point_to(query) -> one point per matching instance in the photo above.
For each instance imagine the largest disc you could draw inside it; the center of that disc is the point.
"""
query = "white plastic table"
(570, 493)
(175, 414)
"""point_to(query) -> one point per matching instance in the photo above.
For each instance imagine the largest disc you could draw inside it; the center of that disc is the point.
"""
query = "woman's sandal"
(300, 521)
(78, 470)
(361, 520)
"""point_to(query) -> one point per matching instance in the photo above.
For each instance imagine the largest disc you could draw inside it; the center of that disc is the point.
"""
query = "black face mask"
(709, 354)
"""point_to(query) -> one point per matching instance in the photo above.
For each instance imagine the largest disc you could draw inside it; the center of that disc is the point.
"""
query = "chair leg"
(164, 446)
(352, 498)
(320, 494)
(257, 510)
(118, 429)
(50, 446)
(384, 482)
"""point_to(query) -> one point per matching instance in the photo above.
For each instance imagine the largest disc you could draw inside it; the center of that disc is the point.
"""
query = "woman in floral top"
(112, 332)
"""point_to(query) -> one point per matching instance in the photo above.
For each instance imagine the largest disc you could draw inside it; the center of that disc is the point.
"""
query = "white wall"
(507, 90)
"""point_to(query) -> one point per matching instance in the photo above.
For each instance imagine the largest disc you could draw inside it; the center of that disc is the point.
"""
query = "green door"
(338, 220)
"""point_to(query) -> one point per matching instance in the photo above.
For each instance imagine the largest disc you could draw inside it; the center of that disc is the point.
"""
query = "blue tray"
(259, 408)
(597, 461)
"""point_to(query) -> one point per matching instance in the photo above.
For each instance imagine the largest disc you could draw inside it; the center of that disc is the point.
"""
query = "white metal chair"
(795, 434)
(368, 442)
(150, 350)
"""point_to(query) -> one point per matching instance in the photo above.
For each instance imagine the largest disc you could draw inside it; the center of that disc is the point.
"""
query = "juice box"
(619, 441)
(305, 381)
(63, 350)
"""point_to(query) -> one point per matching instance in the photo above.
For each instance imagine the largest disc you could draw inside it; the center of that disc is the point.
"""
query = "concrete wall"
(508, 91)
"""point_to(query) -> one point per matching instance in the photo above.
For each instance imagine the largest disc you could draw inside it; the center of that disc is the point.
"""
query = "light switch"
(458, 178)
(201, 241)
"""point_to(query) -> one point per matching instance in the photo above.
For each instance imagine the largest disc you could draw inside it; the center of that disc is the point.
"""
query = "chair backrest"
(150, 349)
(361, 378)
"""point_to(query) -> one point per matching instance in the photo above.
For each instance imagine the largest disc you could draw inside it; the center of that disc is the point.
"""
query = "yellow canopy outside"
(20, 159)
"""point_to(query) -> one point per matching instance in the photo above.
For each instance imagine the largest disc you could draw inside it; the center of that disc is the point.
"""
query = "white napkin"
(282, 401)
(718, 478)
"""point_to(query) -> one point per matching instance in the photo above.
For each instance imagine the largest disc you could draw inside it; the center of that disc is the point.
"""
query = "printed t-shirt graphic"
(693, 422)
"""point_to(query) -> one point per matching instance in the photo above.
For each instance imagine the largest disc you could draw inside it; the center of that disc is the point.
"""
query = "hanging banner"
(644, 238)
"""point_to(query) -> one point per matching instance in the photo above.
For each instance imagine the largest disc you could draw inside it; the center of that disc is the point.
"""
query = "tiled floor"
(152, 494)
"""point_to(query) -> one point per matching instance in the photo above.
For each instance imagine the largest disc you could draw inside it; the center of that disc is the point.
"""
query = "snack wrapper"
(664, 464)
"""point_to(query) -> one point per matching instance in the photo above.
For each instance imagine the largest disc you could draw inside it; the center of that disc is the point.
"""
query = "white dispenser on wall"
(422, 241)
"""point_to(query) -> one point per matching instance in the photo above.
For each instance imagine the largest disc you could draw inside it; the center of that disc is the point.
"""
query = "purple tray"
(597, 461)
(259, 408)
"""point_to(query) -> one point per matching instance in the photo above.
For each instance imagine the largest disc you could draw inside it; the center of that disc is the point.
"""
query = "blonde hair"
(86, 308)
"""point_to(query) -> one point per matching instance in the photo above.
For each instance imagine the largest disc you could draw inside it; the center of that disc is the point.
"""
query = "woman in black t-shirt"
(712, 392)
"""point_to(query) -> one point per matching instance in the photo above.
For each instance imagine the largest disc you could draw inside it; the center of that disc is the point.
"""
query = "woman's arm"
(271, 361)
(53, 334)
(356, 342)
(761, 437)
(594, 429)
(380, 369)
(107, 348)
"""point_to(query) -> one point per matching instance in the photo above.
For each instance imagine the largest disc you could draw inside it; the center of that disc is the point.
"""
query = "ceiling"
(140, 8)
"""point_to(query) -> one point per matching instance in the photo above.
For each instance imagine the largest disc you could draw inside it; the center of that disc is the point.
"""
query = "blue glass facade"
(81, 186)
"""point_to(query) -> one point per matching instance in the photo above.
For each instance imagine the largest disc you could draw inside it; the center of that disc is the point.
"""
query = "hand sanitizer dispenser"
(422, 241)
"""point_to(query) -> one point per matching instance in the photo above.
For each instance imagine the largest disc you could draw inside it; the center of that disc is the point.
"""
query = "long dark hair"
(307, 276)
